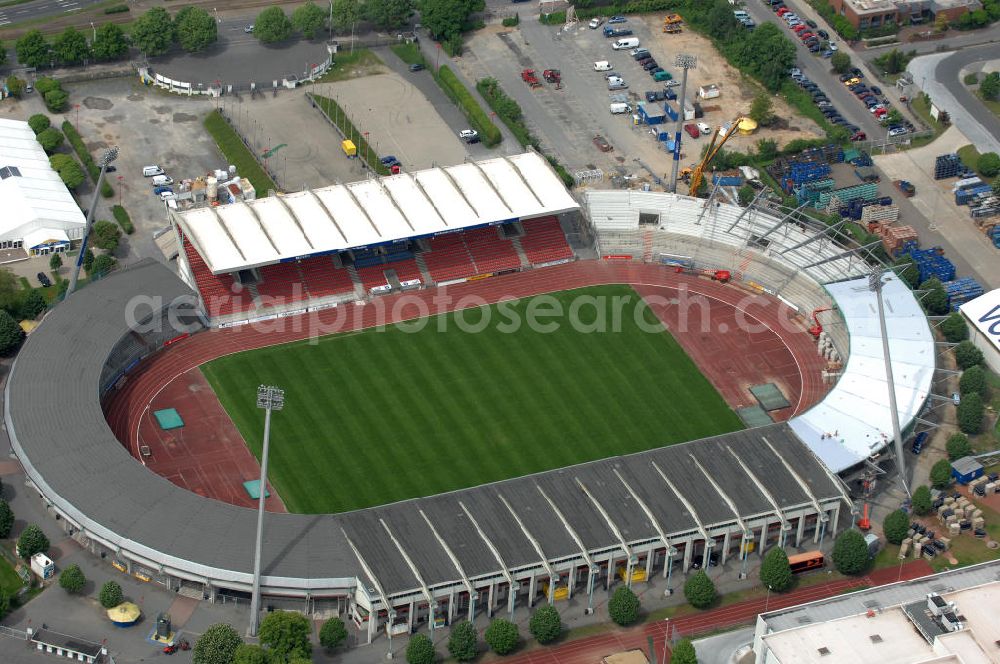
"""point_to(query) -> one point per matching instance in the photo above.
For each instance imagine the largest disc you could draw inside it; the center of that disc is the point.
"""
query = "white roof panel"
(376, 211)
(984, 314)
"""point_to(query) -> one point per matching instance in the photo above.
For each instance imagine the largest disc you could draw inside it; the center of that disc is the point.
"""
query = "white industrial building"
(983, 317)
(39, 216)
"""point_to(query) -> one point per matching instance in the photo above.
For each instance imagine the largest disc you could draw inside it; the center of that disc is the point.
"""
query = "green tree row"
(274, 25)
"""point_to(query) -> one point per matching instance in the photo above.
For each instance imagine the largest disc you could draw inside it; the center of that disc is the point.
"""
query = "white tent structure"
(983, 316)
(39, 214)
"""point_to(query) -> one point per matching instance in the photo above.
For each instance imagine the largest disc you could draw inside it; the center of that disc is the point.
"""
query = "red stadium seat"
(221, 294)
(544, 241)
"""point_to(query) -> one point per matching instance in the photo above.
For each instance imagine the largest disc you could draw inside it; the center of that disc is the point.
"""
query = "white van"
(627, 42)
(150, 171)
(618, 109)
(161, 180)
(602, 65)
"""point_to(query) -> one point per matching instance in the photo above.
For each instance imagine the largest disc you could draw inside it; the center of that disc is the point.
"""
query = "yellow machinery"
(713, 149)
(638, 574)
(559, 593)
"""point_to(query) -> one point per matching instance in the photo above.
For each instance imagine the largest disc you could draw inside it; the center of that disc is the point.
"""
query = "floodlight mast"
(269, 398)
(685, 62)
(104, 160)
(875, 284)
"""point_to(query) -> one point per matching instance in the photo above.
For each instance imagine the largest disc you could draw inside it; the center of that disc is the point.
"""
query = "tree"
(850, 552)
(88, 260)
(346, 13)
(6, 519)
(250, 654)
(55, 262)
(39, 122)
(988, 164)
(50, 139)
(940, 22)
(502, 636)
(110, 44)
(102, 265)
(958, 446)
(954, 328)
(32, 50)
(106, 235)
(332, 633)
(3, 54)
(10, 288)
(309, 19)
(195, 28)
(699, 590)
(70, 47)
(389, 14)
(893, 117)
(10, 333)
(443, 18)
(683, 652)
(841, 62)
(967, 355)
(545, 624)
(941, 474)
(895, 526)
(775, 572)
(32, 541)
(761, 110)
(970, 414)
(272, 25)
(286, 634)
(33, 305)
(921, 500)
(462, 644)
(623, 606)
(153, 32)
(936, 301)
(838, 134)
(217, 645)
(72, 579)
(973, 381)
(56, 101)
(767, 148)
(70, 171)
(111, 595)
(420, 650)
(988, 89)
(15, 86)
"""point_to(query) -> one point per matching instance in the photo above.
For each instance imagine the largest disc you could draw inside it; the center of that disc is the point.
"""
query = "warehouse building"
(40, 216)
(873, 14)
(983, 317)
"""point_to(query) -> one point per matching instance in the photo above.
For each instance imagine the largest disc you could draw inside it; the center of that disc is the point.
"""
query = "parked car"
(664, 76)
(43, 279)
(616, 19)
(650, 65)
(416, 66)
(389, 159)
(859, 136)
(811, 24)
(857, 72)
(644, 59)
(639, 53)
(704, 128)
(692, 130)
(151, 171)
(248, 29)
(166, 195)
(468, 134)
(876, 90)
(595, 22)
(163, 189)
(900, 131)
(602, 144)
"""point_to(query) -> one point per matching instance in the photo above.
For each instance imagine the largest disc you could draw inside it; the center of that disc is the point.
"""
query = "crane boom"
(713, 149)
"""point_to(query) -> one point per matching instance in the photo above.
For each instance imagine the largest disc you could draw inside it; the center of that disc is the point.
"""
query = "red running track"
(737, 339)
(592, 649)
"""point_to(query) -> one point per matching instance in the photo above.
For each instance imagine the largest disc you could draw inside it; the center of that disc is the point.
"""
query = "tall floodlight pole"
(875, 284)
(685, 62)
(269, 398)
(104, 160)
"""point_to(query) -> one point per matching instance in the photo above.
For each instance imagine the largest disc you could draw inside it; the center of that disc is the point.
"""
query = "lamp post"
(875, 284)
(685, 62)
(767, 599)
(269, 398)
(671, 552)
(104, 160)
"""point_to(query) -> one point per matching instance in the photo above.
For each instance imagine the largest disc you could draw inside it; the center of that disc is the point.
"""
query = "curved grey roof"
(80, 467)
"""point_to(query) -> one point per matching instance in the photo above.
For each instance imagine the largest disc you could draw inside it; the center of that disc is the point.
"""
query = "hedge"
(238, 154)
(121, 216)
(338, 117)
(458, 93)
(116, 9)
(74, 138)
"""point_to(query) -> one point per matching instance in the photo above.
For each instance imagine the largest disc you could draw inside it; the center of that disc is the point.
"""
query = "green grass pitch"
(384, 415)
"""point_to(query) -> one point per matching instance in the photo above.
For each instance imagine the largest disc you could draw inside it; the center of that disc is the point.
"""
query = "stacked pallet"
(948, 166)
(961, 291)
(898, 240)
(867, 191)
(932, 263)
(883, 214)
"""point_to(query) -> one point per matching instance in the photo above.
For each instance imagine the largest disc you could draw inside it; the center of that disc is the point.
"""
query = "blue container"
(670, 111)
(727, 180)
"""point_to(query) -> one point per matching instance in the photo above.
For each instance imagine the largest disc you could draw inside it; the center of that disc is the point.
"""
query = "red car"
(859, 136)
(692, 130)
(800, 28)
(783, 11)
(805, 35)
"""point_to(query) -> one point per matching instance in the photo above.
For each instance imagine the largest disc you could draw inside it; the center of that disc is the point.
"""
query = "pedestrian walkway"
(590, 650)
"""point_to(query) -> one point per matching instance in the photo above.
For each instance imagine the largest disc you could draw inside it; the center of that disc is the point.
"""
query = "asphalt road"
(39, 9)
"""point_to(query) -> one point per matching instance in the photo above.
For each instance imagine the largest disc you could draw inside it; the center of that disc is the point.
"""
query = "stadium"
(668, 478)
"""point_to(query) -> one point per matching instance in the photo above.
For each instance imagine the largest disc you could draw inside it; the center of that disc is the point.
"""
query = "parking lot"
(566, 120)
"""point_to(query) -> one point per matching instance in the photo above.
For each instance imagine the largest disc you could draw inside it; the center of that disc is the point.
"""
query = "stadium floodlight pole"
(685, 62)
(594, 569)
(875, 284)
(104, 160)
(671, 552)
(269, 398)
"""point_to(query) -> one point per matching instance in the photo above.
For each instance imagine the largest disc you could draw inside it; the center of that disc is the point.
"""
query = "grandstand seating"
(282, 281)
(489, 251)
(321, 278)
(218, 292)
(543, 241)
(449, 258)
(372, 276)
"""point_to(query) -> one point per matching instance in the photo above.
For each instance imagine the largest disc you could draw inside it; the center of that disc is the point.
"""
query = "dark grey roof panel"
(499, 526)
(727, 473)
(424, 550)
(536, 515)
(576, 508)
(463, 540)
(615, 499)
(378, 551)
(655, 494)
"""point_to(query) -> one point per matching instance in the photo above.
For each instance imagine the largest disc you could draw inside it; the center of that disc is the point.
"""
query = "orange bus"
(803, 562)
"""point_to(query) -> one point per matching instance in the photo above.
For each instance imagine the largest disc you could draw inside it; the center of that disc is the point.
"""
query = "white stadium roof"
(853, 420)
(375, 211)
(33, 195)
(984, 314)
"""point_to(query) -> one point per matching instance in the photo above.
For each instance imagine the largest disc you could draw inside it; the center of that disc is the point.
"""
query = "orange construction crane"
(713, 149)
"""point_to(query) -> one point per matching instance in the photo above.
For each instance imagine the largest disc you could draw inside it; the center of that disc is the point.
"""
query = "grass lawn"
(10, 582)
(362, 62)
(409, 53)
(385, 415)
(921, 105)
(992, 104)
(970, 157)
(238, 154)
